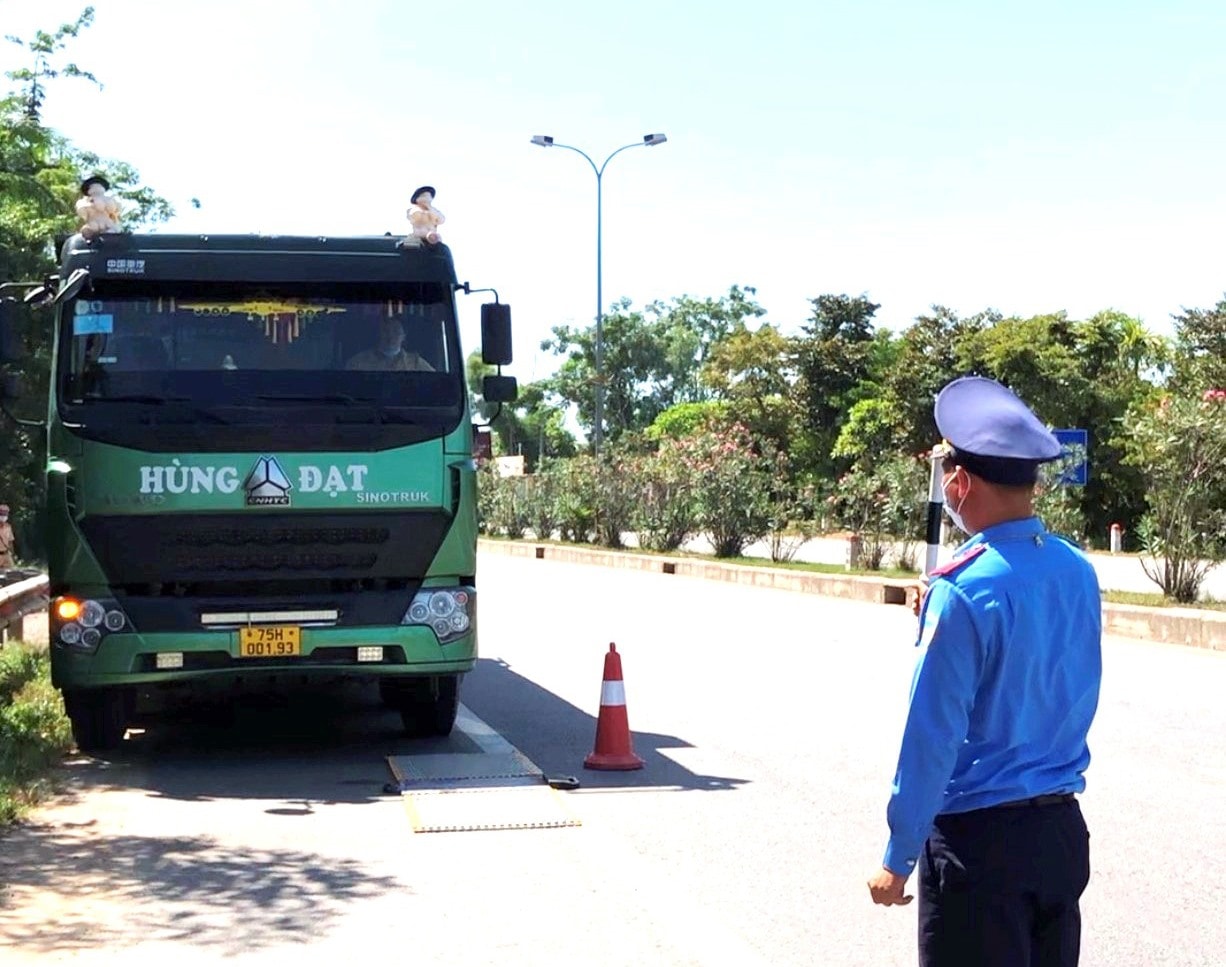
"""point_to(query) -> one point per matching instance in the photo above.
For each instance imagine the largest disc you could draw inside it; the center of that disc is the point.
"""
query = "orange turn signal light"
(67, 609)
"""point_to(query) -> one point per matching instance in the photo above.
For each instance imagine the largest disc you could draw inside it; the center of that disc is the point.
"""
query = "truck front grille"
(168, 550)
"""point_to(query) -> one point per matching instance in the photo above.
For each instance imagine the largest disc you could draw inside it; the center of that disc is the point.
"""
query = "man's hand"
(916, 594)
(886, 888)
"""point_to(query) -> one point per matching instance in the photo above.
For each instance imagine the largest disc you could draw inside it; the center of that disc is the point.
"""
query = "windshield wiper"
(138, 398)
(320, 398)
(380, 412)
(196, 410)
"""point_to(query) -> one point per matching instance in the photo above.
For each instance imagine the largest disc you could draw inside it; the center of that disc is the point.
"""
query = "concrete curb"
(1192, 627)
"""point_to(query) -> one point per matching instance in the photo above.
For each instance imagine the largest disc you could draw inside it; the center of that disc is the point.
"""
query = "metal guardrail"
(22, 592)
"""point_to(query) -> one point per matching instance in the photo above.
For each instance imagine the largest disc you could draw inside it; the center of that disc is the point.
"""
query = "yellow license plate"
(270, 641)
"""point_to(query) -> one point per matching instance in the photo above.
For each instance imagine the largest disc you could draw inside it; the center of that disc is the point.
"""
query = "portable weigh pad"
(495, 788)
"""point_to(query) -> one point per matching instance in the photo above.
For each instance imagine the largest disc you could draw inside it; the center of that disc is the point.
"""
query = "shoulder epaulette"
(951, 566)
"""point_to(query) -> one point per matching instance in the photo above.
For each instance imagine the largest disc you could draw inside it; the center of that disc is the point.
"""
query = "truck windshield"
(212, 347)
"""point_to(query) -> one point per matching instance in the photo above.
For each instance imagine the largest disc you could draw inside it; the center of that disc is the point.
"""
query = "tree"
(1119, 359)
(873, 432)
(929, 356)
(1179, 445)
(691, 330)
(543, 432)
(41, 171)
(687, 419)
(1072, 373)
(1037, 359)
(44, 47)
(634, 360)
(530, 426)
(1082, 374)
(652, 358)
(1200, 353)
(1177, 441)
(754, 371)
(40, 176)
(835, 361)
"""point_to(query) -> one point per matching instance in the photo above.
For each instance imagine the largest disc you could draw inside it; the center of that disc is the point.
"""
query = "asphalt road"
(769, 724)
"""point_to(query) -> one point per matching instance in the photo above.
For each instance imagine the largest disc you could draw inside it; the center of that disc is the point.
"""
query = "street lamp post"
(649, 140)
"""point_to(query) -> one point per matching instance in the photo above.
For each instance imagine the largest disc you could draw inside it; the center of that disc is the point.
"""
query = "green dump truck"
(260, 463)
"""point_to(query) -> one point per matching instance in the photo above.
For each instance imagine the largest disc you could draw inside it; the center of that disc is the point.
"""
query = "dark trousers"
(1000, 887)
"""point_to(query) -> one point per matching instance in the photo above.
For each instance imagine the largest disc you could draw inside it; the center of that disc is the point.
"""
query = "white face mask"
(955, 514)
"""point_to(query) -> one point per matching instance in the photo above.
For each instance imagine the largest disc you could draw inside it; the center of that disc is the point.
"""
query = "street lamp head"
(654, 139)
(543, 140)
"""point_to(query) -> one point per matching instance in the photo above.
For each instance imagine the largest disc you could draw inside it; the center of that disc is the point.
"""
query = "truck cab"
(260, 463)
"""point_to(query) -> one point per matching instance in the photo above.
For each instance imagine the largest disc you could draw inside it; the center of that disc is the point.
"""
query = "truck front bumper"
(132, 658)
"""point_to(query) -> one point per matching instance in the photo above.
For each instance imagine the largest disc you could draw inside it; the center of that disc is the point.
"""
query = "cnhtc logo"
(266, 485)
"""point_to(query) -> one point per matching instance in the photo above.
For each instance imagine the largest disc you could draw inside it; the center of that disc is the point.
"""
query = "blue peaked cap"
(992, 433)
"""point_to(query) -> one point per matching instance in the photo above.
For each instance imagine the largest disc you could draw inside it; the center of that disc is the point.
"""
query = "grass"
(1143, 599)
(34, 732)
(885, 572)
(1156, 600)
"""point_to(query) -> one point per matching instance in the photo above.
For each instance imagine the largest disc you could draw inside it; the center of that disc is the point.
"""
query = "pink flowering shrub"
(1179, 445)
(731, 485)
(665, 515)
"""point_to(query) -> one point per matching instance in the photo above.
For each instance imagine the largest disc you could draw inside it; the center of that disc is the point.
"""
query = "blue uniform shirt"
(1006, 685)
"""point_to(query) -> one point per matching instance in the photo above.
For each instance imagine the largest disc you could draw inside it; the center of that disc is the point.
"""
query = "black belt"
(1049, 799)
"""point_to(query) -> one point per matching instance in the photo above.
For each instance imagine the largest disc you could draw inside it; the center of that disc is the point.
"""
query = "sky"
(1027, 157)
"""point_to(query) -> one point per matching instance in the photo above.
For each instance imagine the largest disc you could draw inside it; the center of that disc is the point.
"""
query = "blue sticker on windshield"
(85, 325)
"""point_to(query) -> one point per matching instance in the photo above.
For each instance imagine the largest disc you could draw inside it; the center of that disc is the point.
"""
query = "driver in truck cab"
(389, 352)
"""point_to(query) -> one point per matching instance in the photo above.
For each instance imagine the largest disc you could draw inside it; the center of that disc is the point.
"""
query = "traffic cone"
(614, 748)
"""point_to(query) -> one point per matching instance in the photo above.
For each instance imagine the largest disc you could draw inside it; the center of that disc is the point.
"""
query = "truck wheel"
(99, 717)
(427, 706)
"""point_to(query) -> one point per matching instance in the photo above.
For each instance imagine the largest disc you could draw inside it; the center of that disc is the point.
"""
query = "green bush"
(34, 732)
(882, 501)
(18, 665)
(510, 513)
(541, 500)
(1179, 445)
(793, 510)
(502, 503)
(618, 489)
(487, 495)
(666, 514)
(577, 500)
(732, 486)
(1059, 507)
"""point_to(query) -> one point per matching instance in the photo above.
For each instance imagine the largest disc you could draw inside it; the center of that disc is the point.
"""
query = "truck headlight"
(82, 623)
(92, 614)
(449, 612)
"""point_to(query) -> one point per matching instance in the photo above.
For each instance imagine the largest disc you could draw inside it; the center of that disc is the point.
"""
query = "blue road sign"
(1074, 461)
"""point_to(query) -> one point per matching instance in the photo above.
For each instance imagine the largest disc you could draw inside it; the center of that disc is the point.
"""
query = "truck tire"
(427, 706)
(99, 717)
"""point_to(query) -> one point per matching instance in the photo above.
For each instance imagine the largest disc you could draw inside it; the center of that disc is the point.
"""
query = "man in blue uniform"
(1004, 692)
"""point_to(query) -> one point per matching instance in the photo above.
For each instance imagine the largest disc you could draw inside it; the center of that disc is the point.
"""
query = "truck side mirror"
(499, 389)
(496, 333)
(11, 317)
